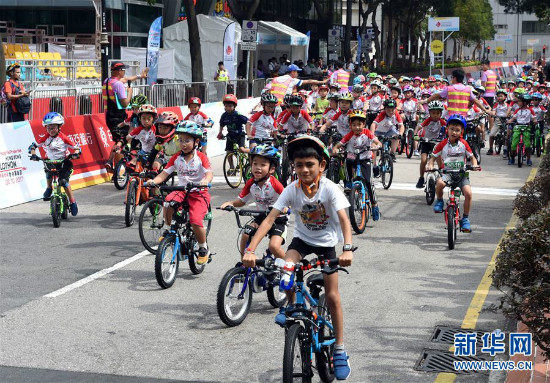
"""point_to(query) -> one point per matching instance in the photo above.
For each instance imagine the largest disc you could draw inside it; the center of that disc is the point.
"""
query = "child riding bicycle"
(523, 116)
(264, 190)
(191, 166)
(298, 120)
(360, 139)
(387, 123)
(500, 111)
(432, 128)
(452, 153)
(145, 132)
(320, 208)
(235, 125)
(262, 124)
(200, 118)
(166, 140)
(56, 145)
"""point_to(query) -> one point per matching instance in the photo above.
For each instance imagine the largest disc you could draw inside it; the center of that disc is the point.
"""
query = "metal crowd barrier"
(52, 100)
(257, 86)
(89, 100)
(240, 88)
(215, 91)
(166, 95)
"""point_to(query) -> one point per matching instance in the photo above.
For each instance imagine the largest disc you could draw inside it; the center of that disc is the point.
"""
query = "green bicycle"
(59, 201)
(236, 167)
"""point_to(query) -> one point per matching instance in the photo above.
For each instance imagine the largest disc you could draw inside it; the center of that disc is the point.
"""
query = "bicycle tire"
(323, 359)
(430, 191)
(356, 211)
(285, 171)
(151, 224)
(499, 142)
(410, 143)
(401, 145)
(233, 180)
(55, 207)
(65, 207)
(247, 174)
(207, 221)
(233, 280)
(130, 211)
(538, 145)
(386, 171)
(477, 152)
(166, 276)
(275, 297)
(192, 249)
(333, 172)
(451, 230)
(520, 154)
(295, 336)
(120, 181)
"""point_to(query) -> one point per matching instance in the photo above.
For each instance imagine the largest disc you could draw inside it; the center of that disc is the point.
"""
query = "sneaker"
(416, 153)
(490, 152)
(505, 153)
(204, 256)
(376, 171)
(438, 207)
(341, 365)
(529, 163)
(420, 183)
(392, 155)
(74, 209)
(47, 194)
(465, 225)
(280, 318)
(164, 234)
(375, 213)
(511, 161)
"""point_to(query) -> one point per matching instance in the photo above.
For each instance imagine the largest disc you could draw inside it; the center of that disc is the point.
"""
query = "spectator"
(273, 67)
(14, 90)
(350, 67)
(261, 67)
(241, 70)
(221, 74)
(284, 67)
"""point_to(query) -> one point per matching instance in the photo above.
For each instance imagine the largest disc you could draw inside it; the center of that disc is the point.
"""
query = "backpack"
(3, 97)
(22, 104)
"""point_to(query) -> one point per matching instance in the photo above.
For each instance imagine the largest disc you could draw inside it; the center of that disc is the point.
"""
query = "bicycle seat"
(315, 280)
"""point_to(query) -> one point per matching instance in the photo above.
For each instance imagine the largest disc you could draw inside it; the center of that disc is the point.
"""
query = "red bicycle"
(452, 210)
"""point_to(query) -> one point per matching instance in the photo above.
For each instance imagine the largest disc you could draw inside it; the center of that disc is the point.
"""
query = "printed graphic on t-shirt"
(314, 216)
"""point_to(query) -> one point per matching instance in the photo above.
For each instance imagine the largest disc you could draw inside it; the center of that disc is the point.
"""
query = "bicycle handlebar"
(328, 266)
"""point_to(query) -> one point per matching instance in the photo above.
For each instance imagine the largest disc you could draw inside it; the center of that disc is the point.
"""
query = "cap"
(293, 67)
(116, 65)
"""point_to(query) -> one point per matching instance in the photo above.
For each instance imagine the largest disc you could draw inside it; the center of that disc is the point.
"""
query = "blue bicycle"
(360, 204)
(239, 283)
(308, 326)
(180, 243)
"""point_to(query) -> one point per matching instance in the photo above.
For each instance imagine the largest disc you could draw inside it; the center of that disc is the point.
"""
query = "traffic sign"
(530, 51)
(249, 31)
(436, 46)
(499, 50)
(533, 41)
(248, 46)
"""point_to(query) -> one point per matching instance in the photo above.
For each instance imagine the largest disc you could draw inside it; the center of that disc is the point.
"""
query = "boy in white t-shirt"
(321, 221)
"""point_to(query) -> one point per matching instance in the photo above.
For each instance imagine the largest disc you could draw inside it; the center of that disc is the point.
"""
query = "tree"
(347, 36)
(243, 10)
(539, 8)
(476, 22)
(194, 41)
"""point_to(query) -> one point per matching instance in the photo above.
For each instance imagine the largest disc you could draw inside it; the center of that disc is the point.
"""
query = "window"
(534, 27)
(140, 17)
(501, 26)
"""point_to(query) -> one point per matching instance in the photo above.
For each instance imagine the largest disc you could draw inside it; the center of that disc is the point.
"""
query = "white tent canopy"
(274, 39)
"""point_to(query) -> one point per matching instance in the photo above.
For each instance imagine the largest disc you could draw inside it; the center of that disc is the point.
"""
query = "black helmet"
(268, 97)
(390, 103)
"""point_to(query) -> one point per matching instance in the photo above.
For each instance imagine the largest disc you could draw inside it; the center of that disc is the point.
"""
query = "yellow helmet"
(357, 113)
(347, 96)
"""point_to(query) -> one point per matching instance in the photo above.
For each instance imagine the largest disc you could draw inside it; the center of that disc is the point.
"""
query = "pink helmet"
(408, 88)
(425, 92)
(417, 78)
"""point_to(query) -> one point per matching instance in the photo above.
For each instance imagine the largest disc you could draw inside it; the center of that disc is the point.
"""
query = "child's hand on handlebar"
(249, 258)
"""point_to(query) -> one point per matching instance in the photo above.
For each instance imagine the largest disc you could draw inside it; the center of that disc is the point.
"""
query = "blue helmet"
(189, 127)
(267, 151)
(53, 118)
(457, 118)
(536, 96)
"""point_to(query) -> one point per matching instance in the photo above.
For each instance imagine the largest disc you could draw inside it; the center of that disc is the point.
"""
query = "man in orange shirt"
(14, 89)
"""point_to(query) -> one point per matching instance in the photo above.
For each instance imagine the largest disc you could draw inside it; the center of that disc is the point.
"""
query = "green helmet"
(519, 91)
(138, 100)
(503, 91)
(189, 127)
(372, 75)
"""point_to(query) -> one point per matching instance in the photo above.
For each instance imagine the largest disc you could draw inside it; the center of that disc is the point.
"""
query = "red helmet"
(168, 118)
(431, 78)
(230, 98)
(194, 100)
(147, 108)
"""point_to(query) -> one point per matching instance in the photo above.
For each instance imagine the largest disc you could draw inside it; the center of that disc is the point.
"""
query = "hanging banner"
(359, 49)
(308, 34)
(153, 45)
(229, 51)
(443, 24)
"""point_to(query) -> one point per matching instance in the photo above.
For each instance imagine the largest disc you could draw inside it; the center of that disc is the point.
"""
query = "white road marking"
(95, 276)
(475, 189)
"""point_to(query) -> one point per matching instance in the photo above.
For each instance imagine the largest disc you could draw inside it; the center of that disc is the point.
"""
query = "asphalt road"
(122, 327)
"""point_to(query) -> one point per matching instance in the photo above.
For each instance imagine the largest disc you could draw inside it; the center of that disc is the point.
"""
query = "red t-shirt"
(9, 88)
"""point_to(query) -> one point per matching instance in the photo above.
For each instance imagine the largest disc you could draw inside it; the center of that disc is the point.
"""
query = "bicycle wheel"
(538, 144)
(499, 142)
(151, 223)
(192, 248)
(410, 143)
(386, 170)
(296, 360)
(65, 207)
(55, 208)
(247, 174)
(520, 154)
(357, 214)
(233, 308)
(276, 297)
(233, 174)
(430, 190)
(323, 359)
(401, 145)
(451, 232)
(120, 176)
(167, 262)
(130, 211)
(333, 172)
(285, 171)
(477, 152)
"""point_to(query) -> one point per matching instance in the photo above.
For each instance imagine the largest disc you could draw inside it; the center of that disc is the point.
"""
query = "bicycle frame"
(454, 201)
(521, 129)
(136, 176)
